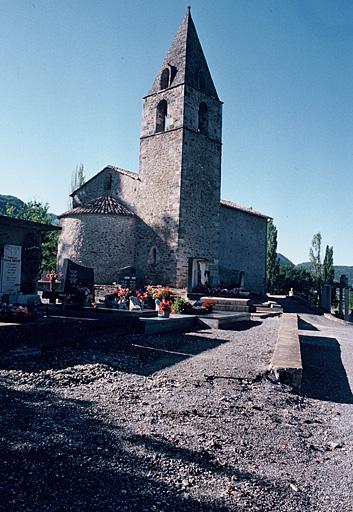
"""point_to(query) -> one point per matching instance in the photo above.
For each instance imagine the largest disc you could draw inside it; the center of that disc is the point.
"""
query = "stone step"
(219, 321)
(231, 307)
(228, 300)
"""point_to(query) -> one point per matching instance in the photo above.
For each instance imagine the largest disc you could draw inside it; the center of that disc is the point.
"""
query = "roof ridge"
(231, 204)
(132, 174)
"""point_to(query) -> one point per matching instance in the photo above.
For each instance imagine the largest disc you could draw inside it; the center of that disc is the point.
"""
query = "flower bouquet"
(165, 308)
(123, 295)
(142, 297)
(160, 292)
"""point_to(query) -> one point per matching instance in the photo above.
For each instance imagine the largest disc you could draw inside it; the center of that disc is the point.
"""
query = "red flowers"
(124, 292)
(165, 306)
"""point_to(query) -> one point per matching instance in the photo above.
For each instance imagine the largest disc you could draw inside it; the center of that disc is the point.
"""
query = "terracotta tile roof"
(104, 205)
(230, 204)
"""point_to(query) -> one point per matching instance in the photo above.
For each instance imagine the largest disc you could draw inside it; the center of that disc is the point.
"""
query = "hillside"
(339, 270)
(283, 260)
(6, 201)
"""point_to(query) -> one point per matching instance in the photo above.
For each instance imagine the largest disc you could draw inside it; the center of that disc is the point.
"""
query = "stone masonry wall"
(103, 242)
(243, 248)
(159, 194)
(200, 186)
(123, 187)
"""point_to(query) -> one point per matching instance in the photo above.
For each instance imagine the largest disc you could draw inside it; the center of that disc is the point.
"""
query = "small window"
(108, 182)
(201, 80)
(152, 257)
(162, 116)
(203, 118)
(164, 78)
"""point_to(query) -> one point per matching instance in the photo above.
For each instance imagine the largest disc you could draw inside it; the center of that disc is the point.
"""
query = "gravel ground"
(170, 423)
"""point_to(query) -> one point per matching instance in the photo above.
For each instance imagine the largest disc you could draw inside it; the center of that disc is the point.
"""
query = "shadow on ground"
(242, 326)
(60, 454)
(324, 376)
(306, 326)
(130, 353)
(138, 354)
(297, 305)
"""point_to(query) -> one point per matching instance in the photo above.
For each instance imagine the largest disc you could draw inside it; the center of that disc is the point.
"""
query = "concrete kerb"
(334, 318)
(286, 364)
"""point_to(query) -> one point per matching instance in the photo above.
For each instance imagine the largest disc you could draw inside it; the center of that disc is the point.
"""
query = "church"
(168, 222)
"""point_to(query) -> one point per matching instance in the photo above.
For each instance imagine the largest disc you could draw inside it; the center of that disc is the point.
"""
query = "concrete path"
(327, 353)
(327, 350)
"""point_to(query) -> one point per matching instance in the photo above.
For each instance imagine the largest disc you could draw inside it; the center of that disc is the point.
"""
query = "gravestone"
(10, 278)
(77, 276)
(325, 302)
(134, 304)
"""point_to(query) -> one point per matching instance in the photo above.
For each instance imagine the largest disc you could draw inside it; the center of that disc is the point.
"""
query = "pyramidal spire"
(185, 62)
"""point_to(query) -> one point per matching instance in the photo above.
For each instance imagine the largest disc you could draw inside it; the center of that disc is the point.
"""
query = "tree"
(38, 212)
(272, 260)
(315, 261)
(328, 273)
(297, 278)
(77, 180)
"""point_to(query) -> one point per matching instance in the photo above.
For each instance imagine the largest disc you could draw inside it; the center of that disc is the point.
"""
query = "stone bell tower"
(180, 168)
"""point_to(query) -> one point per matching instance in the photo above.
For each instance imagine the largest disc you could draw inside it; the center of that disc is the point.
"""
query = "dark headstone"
(77, 276)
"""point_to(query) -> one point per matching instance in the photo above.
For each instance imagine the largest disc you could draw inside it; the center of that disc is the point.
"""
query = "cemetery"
(149, 371)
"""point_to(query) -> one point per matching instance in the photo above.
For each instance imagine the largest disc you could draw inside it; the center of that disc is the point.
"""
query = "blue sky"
(73, 74)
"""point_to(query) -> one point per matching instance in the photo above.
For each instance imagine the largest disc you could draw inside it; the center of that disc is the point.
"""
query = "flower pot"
(163, 314)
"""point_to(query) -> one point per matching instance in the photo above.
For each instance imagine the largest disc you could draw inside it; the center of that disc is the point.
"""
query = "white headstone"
(134, 304)
(10, 278)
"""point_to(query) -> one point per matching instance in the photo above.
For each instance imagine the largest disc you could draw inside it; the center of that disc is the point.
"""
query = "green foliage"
(297, 278)
(272, 259)
(78, 177)
(328, 273)
(351, 300)
(315, 261)
(38, 212)
(77, 180)
(182, 306)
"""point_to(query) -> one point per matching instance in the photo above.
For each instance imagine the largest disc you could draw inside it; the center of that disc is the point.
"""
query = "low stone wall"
(101, 290)
(70, 328)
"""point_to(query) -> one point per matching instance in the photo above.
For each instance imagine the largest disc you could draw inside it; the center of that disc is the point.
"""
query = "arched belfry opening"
(162, 116)
(165, 76)
(203, 118)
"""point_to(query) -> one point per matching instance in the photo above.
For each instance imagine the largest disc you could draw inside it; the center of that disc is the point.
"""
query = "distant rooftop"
(34, 226)
(230, 204)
